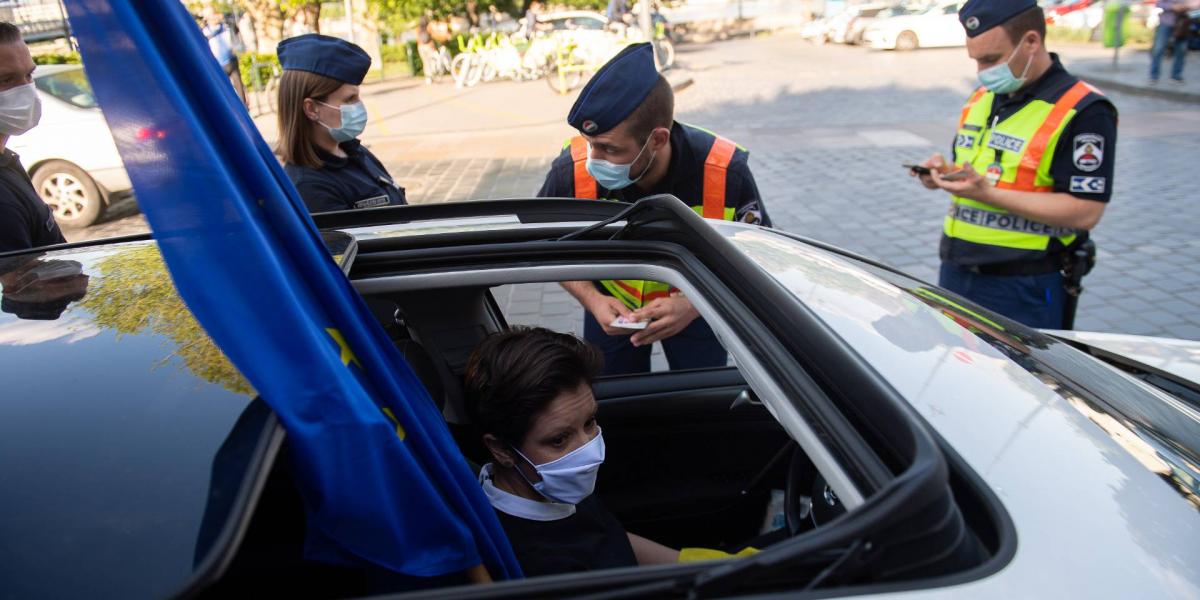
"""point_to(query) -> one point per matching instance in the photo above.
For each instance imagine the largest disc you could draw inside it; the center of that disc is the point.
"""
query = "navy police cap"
(619, 87)
(978, 16)
(329, 56)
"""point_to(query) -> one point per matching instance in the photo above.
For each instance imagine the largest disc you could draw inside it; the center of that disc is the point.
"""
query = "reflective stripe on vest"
(1023, 141)
(635, 293)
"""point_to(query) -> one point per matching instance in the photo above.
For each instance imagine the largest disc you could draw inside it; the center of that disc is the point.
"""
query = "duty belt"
(1005, 221)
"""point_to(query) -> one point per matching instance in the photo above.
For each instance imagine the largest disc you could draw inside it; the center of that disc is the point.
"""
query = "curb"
(1163, 91)
(680, 79)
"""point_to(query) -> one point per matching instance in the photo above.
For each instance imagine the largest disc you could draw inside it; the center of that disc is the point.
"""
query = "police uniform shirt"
(357, 180)
(25, 221)
(684, 178)
(1083, 160)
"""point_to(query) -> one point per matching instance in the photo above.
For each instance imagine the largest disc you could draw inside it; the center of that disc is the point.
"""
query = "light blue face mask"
(1000, 78)
(354, 121)
(613, 176)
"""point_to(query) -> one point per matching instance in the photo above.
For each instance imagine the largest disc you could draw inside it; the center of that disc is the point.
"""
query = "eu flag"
(380, 475)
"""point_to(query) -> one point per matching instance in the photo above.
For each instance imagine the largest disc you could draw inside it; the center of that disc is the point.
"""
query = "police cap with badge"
(329, 56)
(615, 91)
(978, 16)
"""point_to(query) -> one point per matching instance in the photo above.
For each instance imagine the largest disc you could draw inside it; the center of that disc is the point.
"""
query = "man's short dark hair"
(513, 375)
(1031, 20)
(9, 33)
(657, 110)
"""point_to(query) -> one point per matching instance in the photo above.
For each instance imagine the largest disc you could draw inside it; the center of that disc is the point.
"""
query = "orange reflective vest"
(635, 293)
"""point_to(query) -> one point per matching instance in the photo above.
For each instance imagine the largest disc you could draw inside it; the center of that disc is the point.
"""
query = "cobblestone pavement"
(828, 127)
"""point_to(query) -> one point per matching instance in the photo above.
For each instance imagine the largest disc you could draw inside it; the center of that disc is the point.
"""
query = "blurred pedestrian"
(223, 44)
(1172, 31)
(426, 49)
(1032, 171)
(25, 220)
(320, 119)
(630, 147)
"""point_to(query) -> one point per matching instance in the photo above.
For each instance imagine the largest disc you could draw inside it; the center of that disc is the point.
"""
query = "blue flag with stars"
(382, 480)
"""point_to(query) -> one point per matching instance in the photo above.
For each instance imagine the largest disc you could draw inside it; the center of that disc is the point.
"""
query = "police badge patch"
(1089, 152)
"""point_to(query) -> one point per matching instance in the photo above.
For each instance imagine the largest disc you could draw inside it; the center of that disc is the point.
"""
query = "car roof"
(570, 14)
(116, 408)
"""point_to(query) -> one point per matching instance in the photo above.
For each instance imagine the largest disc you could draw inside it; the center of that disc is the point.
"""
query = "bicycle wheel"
(664, 54)
(563, 81)
(460, 67)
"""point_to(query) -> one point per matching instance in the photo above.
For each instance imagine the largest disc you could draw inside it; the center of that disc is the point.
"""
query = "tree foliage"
(133, 294)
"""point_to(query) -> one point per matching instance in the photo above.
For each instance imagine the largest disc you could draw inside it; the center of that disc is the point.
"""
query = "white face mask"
(571, 478)
(20, 109)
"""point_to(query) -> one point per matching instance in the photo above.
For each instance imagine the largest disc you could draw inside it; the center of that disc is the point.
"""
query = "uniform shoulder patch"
(1087, 185)
(1089, 152)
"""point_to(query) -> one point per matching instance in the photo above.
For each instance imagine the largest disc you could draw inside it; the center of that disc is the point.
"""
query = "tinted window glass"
(69, 86)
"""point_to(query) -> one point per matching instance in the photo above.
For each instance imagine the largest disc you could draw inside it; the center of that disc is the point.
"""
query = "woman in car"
(529, 391)
(320, 119)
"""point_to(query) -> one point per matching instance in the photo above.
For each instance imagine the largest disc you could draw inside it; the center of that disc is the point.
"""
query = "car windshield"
(69, 86)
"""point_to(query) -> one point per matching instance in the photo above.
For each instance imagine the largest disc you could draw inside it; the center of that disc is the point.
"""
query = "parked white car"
(70, 155)
(937, 26)
(842, 26)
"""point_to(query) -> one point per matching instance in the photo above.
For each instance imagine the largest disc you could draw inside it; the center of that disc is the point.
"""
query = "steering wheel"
(809, 502)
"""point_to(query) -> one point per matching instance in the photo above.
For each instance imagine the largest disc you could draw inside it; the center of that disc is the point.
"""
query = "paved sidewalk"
(1131, 74)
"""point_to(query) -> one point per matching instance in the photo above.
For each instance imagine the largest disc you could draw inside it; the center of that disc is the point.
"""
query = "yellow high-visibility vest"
(636, 293)
(1025, 143)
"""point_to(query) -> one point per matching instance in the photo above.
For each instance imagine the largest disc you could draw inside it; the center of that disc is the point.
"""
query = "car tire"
(72, 194)
(906, 41)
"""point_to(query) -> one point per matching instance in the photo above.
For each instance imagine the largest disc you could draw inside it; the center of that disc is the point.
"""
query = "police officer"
(25, 220)
(630, 147)
(320, 119)
(1035, 149)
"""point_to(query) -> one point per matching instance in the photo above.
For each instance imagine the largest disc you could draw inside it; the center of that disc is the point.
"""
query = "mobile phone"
(918, 169)
(958, 175)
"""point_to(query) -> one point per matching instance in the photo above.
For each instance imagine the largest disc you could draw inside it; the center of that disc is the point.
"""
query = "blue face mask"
(1000, 78)
(613, 176)
(354, 121)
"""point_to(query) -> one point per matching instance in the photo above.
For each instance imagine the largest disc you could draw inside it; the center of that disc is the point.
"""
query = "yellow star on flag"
(347, 354)
(399, 429)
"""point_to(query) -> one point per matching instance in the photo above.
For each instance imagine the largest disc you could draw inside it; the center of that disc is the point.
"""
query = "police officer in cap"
(631, 147)
(320, 119)
(1032, 170)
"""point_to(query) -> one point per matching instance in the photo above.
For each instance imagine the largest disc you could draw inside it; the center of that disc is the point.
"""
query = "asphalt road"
(828, 127)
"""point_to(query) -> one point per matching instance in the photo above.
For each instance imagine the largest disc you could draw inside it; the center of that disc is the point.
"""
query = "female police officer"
(320, 119)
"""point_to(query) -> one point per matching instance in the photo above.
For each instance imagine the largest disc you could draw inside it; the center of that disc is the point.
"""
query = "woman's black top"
(592, 538)
(356, 181)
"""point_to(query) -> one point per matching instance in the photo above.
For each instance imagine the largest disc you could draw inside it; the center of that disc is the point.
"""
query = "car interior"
(695, 458)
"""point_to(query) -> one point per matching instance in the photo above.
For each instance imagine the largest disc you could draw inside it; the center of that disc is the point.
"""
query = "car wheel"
(907, 40)
(71, 193)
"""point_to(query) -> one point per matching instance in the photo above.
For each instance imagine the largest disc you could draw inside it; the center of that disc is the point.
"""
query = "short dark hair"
(9, 33)
(1031, 20)
(657, 110)
(513, 375)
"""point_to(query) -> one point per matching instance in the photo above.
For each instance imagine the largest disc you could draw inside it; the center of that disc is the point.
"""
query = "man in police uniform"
(25, 221)
(1035, 146)
(630, 147)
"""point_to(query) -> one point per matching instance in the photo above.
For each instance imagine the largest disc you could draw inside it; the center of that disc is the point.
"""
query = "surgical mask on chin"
(354, 121)
(20, 109)
(613, 176)
(1000, 78)
(572, 477)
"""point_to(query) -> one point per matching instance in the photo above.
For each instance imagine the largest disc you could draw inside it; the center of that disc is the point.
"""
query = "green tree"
(134, 294)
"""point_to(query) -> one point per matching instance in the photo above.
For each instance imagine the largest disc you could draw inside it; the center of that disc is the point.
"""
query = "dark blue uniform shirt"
(25, 221)
(356, 181)
(684, 178)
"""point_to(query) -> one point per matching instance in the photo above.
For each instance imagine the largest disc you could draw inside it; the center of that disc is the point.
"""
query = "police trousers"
(695, 347)
(1033, 300)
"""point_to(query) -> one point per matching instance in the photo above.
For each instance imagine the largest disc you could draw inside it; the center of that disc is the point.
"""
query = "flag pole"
(478, 574)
